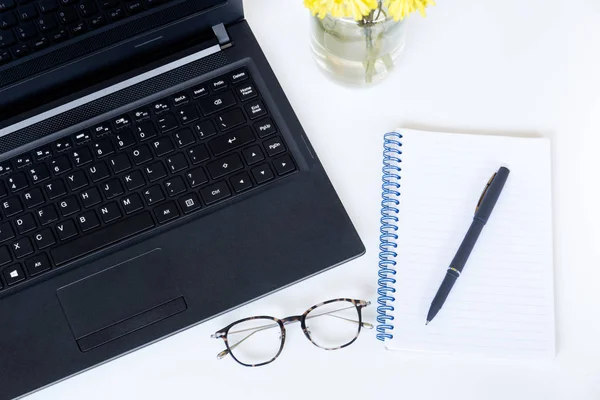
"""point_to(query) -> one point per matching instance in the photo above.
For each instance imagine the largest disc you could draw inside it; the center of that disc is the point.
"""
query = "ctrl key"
(216, 192)
(13, 274)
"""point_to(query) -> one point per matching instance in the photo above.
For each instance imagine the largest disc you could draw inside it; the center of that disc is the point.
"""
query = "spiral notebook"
(503, 303)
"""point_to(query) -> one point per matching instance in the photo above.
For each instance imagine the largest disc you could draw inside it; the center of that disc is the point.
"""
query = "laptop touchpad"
(122, 299)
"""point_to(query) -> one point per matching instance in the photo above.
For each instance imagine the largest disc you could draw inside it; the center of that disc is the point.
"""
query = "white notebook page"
(503, 303)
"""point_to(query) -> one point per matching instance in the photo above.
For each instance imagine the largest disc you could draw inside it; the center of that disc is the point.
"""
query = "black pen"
(486, 204)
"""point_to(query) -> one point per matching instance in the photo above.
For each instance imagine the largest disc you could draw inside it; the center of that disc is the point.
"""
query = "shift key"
(217, 102)
(231, 141)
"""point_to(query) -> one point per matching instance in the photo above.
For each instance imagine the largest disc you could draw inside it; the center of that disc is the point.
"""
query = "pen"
(484, 208)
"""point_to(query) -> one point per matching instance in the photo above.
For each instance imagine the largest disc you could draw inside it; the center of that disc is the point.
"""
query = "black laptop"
(152, 175)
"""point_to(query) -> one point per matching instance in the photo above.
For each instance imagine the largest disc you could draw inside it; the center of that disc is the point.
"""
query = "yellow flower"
(341, 8)
(399, 9)
(358, 9)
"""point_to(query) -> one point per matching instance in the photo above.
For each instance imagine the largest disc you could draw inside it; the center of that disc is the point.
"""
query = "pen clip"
(485, 191)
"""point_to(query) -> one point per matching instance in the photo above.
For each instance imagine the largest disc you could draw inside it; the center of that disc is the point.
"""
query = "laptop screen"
(125, 39)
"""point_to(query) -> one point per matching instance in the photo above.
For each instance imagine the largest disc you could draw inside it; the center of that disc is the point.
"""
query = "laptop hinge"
(222, 36)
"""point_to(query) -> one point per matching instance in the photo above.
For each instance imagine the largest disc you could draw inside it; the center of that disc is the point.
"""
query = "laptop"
(153, 176)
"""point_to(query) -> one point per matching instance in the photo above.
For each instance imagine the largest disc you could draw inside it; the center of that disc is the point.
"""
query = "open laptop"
(153, 175)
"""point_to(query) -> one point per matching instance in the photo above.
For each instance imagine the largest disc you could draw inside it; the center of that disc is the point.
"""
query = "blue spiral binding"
(390, 192)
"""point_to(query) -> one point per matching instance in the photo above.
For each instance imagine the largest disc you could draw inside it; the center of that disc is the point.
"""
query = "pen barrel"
(442, 294)
(467, 245)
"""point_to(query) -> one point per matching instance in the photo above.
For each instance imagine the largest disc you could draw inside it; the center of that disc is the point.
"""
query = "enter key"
(231, 141)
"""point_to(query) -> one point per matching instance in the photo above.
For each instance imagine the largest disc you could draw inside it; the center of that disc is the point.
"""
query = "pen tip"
(426, 322)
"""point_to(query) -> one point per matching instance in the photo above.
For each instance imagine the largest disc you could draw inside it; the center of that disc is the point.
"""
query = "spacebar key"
(102, 238)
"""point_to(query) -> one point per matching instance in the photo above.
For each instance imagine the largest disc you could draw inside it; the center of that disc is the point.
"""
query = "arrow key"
(284, 165)
(262, 173)
(252, 155)
(241, 182)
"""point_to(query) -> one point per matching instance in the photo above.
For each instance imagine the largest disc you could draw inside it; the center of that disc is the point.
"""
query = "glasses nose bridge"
(293, 318)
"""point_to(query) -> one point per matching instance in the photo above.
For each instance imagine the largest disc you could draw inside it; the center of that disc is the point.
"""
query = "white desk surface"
(492, 67)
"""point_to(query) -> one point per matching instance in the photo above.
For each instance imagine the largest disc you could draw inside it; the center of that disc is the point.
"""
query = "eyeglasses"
(257, 341)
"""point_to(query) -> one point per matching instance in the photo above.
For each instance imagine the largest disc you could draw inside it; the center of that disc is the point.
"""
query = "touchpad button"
(121, 299)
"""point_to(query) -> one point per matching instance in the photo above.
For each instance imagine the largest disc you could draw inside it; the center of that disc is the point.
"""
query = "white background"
(515, 67)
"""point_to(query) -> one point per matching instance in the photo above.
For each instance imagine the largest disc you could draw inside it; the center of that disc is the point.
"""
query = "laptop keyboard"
(135, 172)
(28, 26)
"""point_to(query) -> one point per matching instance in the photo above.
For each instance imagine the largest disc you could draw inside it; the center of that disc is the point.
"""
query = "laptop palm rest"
(121, 299)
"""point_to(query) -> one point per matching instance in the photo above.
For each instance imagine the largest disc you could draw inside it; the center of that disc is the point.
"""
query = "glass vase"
(357, 53)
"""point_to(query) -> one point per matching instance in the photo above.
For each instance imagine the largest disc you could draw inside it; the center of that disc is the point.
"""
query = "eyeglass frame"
(222, 333)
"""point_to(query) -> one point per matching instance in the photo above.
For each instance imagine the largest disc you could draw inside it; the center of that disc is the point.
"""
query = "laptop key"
(216, 192)
(4, 57)
(33, 198)
(125, 139)
(231, 119)
(163, 146)
(238, 76)
(90, 197)
(252, 155)
(155, 171)
(66, 230)
(166, 212)
(196, 177)
(47, 6)
(38, 264)
(189, 203)
(212, 104)
(6, 232)
(97, 240)
(5, 256)
(284, 165)
(198, 154)
(231, 141)
(76, 180)
(60, 165)
(47, 215)
(145, 131)
(99, 171)
(112, 189)
(12, 206)
(67, 15)
(141, 155)
(153, 195)
(26, 31)
(38, 173)
(184, 138)
(68, 206)
(117, 13)
(175, 186)
(17, 182)
(241, 182)
(167, 122)
(110, 212)
(13, 275)
(22, 247)
(177, 163)
(134, 180)
(25, 223)
(103, 148)
(132, 203)
(274, 146)
(88, 221)
(224, 166)
(97, 21)
(256, 109)
(44, 239)
(188, 114)
(205, 129)
(262, 174)
(6, 39)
